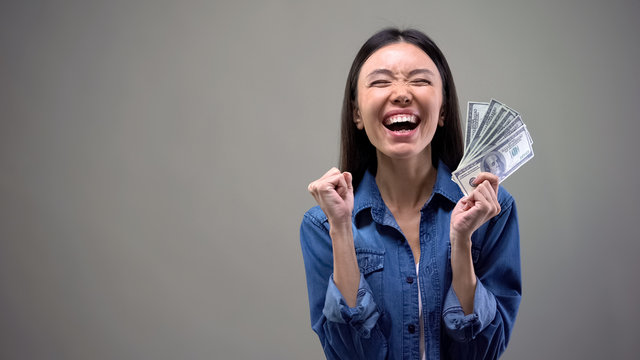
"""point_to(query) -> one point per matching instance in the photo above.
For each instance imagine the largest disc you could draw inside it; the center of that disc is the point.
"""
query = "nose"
(401, 100)
(401, 97)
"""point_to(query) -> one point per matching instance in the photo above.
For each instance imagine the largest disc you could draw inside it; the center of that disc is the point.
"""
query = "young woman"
(399, 264)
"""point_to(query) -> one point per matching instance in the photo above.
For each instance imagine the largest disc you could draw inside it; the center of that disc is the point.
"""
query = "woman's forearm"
(463, 275)
(346, 274)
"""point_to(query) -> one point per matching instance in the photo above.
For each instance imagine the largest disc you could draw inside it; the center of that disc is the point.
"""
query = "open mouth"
(401, 123)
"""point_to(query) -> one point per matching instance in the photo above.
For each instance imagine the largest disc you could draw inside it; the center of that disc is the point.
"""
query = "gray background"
(154, 159)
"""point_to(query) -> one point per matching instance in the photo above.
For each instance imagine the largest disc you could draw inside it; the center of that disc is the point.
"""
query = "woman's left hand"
(474, 210)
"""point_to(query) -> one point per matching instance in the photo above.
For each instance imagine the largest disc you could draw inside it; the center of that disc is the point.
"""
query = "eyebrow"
(390, 73)
(420, 71)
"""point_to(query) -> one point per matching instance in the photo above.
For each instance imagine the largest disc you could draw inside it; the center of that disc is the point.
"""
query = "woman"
(399, 264)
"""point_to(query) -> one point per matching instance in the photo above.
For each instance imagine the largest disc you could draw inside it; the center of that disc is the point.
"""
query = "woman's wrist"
(340, 227)
(460, 242)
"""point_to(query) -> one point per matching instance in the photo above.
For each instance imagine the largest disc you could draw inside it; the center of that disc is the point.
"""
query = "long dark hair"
(356, 152)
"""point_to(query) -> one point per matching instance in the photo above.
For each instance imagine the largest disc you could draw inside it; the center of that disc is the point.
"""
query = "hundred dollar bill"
(491, 123)
(488, 120)
(492, 120)
(475, 114)
(508, 123)
(502, 160)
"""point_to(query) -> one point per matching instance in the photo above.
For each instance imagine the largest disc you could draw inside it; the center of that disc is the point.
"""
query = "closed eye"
(421, 82)
(380, 83)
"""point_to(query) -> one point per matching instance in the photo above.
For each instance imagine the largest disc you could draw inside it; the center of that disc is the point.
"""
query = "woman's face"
(399, 100)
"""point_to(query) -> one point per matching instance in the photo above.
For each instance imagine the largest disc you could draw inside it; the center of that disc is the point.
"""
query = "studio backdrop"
(155, 157)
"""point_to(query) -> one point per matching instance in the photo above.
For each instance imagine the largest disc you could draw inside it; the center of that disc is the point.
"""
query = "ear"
(357, 119)
(441, 118)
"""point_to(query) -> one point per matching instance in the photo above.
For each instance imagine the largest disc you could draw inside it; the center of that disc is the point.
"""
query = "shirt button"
(409, 279)
(411, 328)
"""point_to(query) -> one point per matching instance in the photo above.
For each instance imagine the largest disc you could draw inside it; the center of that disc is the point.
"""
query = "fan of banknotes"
(495, 140)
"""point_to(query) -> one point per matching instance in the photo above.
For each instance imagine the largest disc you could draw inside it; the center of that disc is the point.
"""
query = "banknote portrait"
(493, 163)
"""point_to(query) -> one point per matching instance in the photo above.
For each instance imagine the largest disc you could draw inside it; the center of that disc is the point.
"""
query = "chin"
(403, 153)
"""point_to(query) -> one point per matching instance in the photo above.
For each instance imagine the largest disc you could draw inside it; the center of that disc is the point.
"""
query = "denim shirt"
(384, 324)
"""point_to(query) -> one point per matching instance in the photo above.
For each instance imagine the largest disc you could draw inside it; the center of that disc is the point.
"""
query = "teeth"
(401, 118)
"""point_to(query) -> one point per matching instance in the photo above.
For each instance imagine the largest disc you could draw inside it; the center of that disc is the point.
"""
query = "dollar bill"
(494, 109)
(498, 142)
(475, 114)
(509, 122)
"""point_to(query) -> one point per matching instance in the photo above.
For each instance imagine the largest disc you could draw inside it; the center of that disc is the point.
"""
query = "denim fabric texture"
(384, 324)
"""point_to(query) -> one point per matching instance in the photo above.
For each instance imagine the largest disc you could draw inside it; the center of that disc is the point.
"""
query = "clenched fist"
(334, 193)
(474, 210)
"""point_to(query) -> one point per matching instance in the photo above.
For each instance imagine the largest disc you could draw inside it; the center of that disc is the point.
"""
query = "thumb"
(463, 204)
(348, 178)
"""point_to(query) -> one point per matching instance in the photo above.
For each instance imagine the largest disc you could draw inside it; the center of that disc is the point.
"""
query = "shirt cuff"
(464, 328)
(362, 317)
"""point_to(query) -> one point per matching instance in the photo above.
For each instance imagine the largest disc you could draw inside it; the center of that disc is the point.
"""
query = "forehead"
(399, 57)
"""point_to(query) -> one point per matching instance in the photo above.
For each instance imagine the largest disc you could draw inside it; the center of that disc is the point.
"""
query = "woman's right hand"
(334, 193)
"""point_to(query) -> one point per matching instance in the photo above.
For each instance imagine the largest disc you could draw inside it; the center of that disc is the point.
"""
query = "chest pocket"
(371, 264)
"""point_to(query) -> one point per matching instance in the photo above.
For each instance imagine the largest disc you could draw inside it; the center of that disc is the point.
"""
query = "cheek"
(370, 103)
(431, 95)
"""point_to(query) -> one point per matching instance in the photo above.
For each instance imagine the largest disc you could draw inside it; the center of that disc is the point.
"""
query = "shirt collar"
(368, 196)
(445, 186)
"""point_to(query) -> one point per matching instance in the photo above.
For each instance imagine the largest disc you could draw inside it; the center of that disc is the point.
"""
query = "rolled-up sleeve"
(345, 332)
(362, 317)
(485, 333)
(461, 327)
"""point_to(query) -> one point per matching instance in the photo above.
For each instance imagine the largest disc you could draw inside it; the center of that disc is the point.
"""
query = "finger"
(484, 190)
(333, 171)
(487, 176)
(462, 205)
(332, 182)
(478, 198)
(349, 179)
(313, 186)
(342, 188)
(466, 204)
(490, 200)
(492, 183)
(492, 193)
(325, 183)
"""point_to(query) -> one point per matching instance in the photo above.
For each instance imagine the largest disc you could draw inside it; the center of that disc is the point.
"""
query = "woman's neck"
(406, 184)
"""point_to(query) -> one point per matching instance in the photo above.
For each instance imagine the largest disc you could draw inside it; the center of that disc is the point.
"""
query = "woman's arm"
(484, 332)
(346, 273)
(464, 280)
(334, 193)
(468, 215)
(343, 312)
(345, 332)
